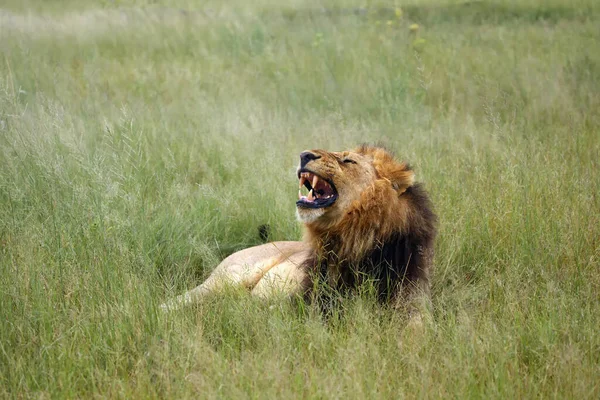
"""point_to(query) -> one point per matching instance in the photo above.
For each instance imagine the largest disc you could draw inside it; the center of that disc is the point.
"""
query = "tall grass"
(141, 142)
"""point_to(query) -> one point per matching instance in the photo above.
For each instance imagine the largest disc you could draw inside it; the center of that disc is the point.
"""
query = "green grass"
(140, 144)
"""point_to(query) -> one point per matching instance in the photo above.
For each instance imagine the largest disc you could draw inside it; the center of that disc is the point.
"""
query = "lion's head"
(334, 181)
(355, 195)
(364, 215)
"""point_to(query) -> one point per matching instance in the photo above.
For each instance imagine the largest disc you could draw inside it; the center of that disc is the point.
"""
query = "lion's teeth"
(310, 196)
(315, 179)
(302, 179)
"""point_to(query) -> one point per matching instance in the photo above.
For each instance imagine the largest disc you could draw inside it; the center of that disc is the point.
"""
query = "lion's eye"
(349, 161)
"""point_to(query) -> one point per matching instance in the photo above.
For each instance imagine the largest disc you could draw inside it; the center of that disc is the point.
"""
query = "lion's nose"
(307, 156)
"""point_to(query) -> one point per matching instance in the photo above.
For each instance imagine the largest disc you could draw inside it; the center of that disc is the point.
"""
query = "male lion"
(365, 219)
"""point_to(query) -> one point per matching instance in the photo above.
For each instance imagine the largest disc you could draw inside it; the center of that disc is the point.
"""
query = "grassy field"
(143, 141)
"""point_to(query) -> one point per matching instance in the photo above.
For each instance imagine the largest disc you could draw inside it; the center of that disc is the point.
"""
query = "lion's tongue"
(322, 188)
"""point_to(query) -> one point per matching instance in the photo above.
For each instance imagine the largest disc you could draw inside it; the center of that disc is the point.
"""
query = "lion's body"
(265, 270)
(366, 220)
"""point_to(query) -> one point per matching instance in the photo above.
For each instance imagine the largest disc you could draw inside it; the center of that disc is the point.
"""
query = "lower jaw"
(308, 215)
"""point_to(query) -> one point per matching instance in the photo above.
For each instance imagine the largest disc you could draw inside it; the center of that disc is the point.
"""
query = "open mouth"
(321, 193)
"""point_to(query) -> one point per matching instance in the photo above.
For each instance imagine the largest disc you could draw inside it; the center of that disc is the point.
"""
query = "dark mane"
(401, 261)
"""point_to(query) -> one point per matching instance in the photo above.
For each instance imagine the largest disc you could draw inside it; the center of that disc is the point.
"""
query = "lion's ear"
(398, 173)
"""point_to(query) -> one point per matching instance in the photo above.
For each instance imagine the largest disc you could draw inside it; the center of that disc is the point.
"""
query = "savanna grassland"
(143, 141)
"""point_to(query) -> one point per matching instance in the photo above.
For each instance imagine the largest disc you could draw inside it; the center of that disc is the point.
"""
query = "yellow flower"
(398, 12)
(414, 28)
(419, 44)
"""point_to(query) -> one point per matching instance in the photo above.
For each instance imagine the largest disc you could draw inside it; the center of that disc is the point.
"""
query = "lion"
(364, 218)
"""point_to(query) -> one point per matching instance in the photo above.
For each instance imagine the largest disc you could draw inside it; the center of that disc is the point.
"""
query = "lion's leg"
(414, 298)
(286, 278)
(419, 308)
(243, 269)
(234, 275)
(416, 291)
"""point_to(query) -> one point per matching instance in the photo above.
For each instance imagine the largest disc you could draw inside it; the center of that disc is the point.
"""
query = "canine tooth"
(310, 196)
(315, 180)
